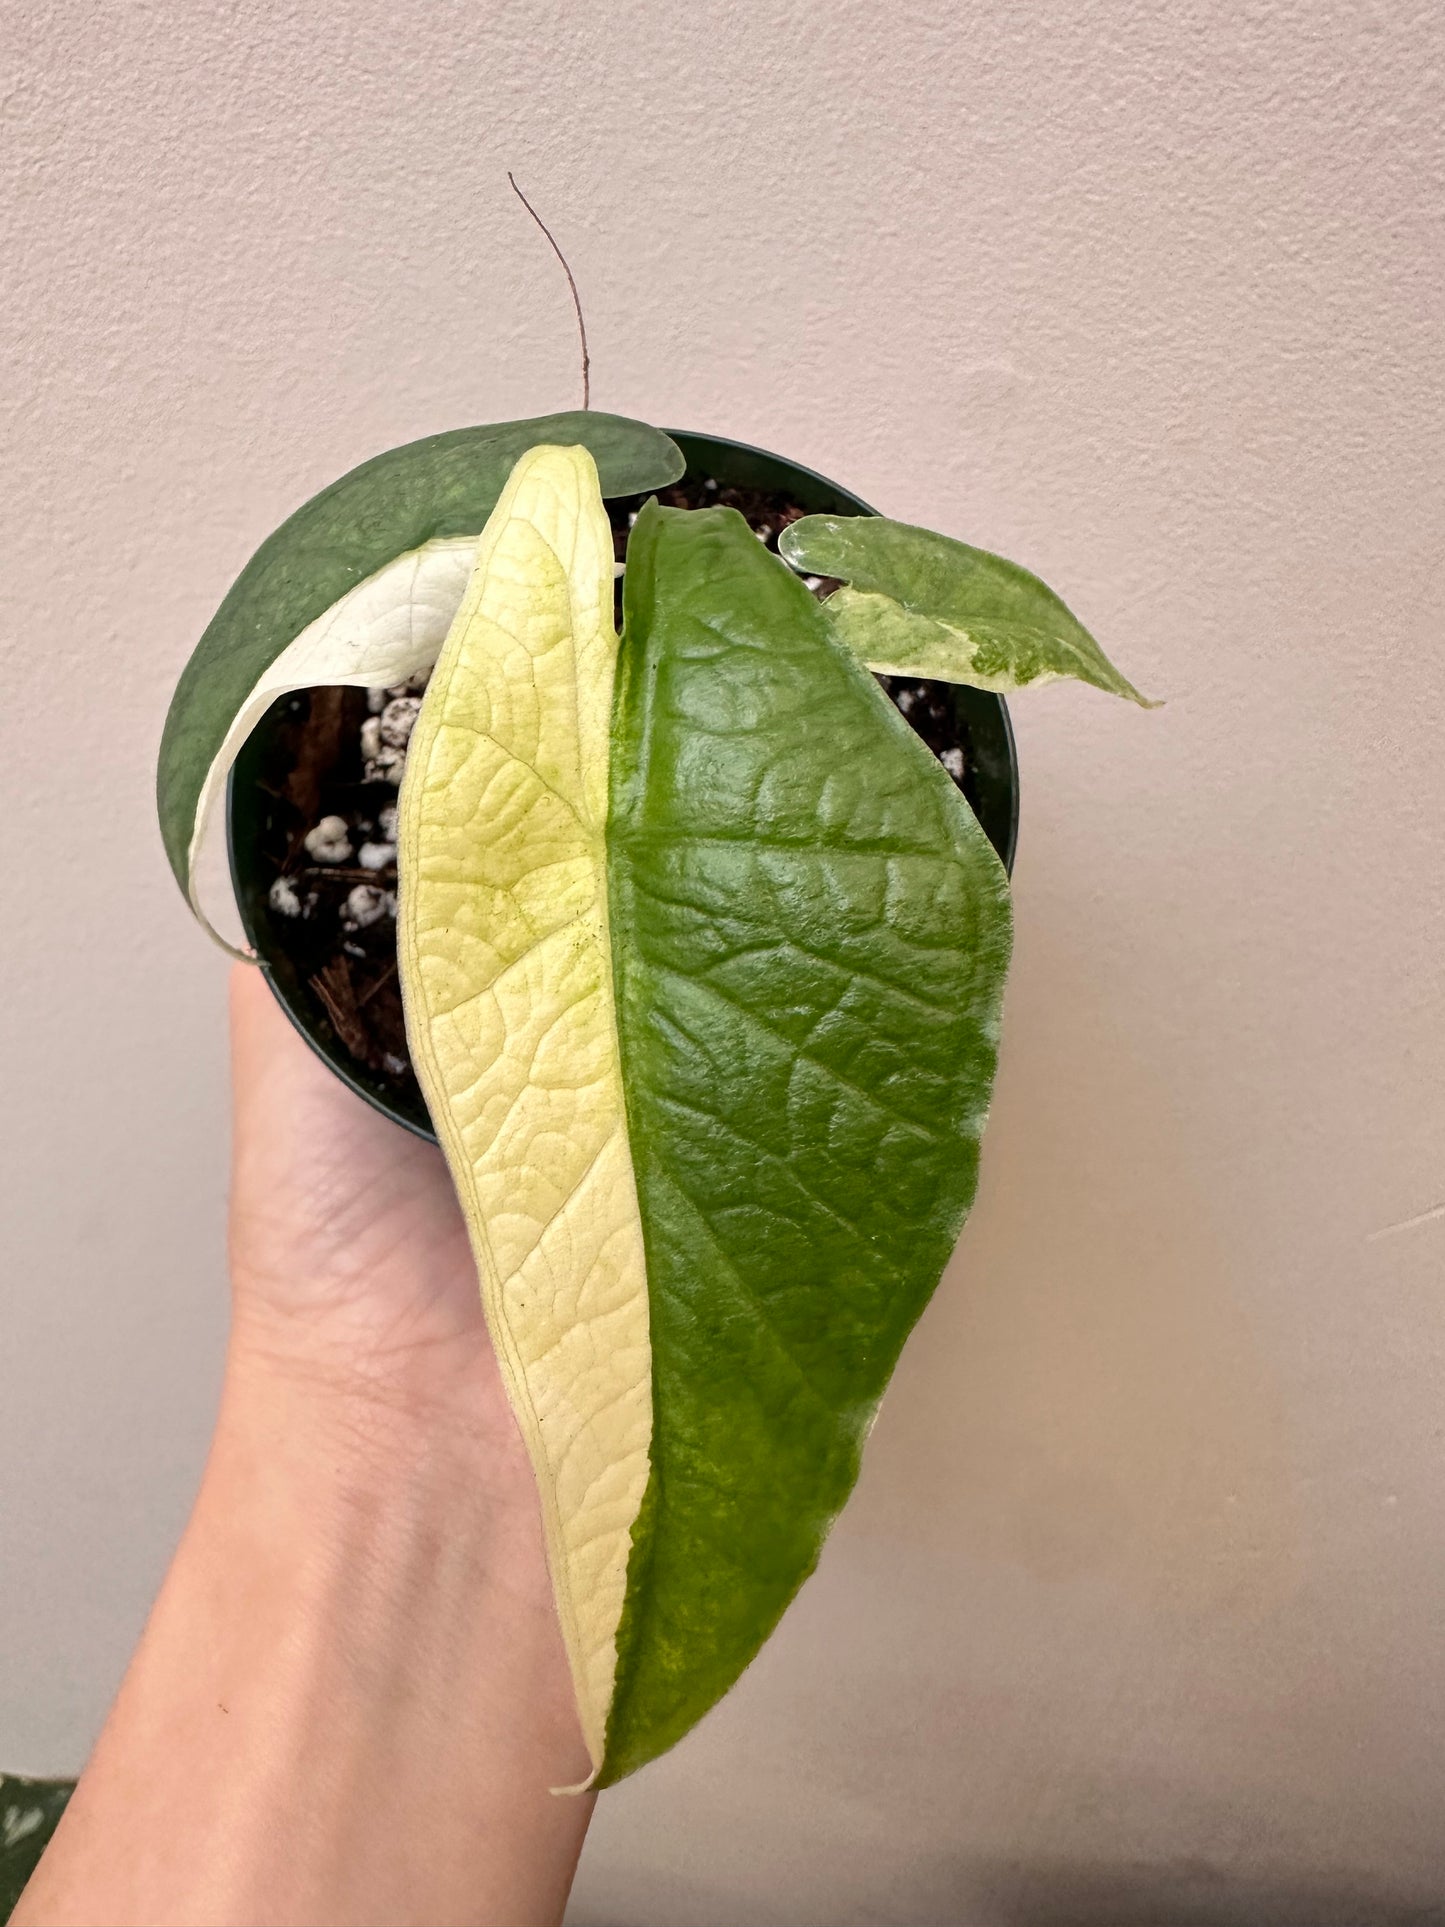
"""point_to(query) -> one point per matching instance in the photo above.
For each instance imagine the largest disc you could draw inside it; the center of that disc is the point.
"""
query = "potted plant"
(689, 946)
(346, 1006)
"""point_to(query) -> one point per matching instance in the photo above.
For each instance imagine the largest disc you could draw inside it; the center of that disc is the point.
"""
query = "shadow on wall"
(1059, 1893)
(1192, 1894)
(1091, 1399)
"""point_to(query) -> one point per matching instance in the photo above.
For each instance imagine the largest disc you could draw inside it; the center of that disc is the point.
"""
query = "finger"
(290, 1107)
(276, 1075)
(262, 1039)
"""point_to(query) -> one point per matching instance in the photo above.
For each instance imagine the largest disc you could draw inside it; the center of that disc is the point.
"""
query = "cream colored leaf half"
(892, 641)
(382, 631)
(506, 973)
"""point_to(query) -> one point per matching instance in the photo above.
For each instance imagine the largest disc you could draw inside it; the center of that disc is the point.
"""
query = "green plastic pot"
(991, 781)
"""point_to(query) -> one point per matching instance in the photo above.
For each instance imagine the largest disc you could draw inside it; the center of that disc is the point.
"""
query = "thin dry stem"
(571, 283)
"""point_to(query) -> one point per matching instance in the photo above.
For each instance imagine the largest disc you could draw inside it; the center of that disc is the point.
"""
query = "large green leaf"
(810, 934)
(391, 538)
(702, 976)
(920, 604)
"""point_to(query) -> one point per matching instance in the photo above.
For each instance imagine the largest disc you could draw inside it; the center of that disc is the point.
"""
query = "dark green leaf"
(810, 934)
(445, 485)
(30, 1811)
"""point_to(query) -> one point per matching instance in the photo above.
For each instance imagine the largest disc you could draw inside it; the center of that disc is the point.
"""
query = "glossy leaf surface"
(397, 518)
(810, 936)
(920, 604)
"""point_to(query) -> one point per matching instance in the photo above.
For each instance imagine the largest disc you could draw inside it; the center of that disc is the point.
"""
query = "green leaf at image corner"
(810, 937)
(920, 604)
(444, 485)
(30, 1812)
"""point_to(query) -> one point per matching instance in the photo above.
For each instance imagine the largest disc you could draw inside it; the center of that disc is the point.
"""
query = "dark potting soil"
(332, 785)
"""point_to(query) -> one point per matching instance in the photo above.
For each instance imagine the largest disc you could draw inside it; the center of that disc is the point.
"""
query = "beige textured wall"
(1140, 1612)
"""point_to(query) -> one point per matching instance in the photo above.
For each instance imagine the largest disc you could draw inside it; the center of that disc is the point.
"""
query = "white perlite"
(366, 905)
(330, 841)
(387, 766)
(398, 719)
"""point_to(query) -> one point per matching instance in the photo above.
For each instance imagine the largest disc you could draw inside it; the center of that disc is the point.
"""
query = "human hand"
(350, 1263)
(355, 1653)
